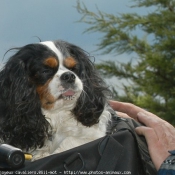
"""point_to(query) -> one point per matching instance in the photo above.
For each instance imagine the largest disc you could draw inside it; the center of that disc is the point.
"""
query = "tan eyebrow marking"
(51, 62)
(69, 62)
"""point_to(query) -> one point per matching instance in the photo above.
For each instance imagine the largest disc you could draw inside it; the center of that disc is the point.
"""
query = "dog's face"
(62, 86)
(54, 75)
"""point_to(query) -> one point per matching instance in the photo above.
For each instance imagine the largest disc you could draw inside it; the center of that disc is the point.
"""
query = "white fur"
(68, 133)
(51, 45)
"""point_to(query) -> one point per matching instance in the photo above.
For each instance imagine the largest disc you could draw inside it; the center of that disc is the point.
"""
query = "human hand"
(159, 134)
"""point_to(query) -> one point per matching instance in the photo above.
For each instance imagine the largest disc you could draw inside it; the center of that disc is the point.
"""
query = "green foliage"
(152, 78)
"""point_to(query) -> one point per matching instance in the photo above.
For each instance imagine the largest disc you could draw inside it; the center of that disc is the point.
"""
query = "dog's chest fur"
(67, 133)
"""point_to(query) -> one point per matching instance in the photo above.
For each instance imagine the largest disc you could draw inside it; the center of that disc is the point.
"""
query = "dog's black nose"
(68, 77)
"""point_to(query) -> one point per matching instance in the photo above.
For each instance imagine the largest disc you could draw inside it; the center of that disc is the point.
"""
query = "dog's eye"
(46, 71)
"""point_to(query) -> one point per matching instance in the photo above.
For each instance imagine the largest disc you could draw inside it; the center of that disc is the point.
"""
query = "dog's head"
(52, 76)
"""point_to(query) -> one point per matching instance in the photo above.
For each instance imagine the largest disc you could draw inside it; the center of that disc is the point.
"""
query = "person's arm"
(159, 134)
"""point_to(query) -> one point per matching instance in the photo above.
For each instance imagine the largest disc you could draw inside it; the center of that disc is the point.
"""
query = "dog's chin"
(66, 100)
(68, 95)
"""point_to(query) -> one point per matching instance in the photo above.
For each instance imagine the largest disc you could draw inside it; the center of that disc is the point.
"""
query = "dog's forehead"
(61, 51)
(52, 46)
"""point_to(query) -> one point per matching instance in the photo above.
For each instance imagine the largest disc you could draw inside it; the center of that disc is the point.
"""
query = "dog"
(52, 99)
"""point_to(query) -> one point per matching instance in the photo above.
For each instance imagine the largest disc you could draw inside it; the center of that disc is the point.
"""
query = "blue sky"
(21, 20)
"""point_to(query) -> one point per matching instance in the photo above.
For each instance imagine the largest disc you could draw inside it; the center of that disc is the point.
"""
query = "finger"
(157, 151)
(157, 124)
(164, 131)
(128, 108)
(149, 119)
(149, 133)
(117, 106)
(121, 114)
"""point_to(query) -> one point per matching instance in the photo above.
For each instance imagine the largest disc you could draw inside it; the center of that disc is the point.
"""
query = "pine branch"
(152, 80)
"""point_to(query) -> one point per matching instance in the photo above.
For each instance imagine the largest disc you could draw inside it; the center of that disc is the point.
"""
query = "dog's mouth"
(69, 94)
(66, 94)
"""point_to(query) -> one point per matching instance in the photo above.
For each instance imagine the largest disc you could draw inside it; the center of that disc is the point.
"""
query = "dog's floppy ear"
(21, 121)
(92, 101)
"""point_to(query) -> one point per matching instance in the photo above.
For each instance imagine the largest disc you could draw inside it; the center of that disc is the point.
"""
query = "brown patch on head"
(70, 62)
(47, 100)
(51, 62)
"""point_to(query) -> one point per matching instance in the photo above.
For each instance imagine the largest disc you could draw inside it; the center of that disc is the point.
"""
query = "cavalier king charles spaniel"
(51, 99)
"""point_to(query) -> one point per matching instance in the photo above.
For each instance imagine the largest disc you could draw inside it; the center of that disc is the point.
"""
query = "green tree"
(152, 78)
